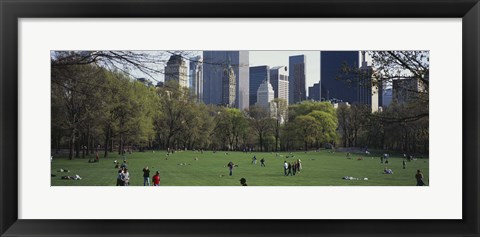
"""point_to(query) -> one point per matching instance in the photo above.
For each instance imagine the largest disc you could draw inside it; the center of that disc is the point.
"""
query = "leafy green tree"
(308, 128)
(74, 92)
(260, 122)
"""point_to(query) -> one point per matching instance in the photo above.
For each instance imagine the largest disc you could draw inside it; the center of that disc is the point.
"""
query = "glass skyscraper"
(258, 74)
(297, 77)
(334, 83)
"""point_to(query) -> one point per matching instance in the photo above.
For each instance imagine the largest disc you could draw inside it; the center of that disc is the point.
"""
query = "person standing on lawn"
(146, 176)
(230, 167)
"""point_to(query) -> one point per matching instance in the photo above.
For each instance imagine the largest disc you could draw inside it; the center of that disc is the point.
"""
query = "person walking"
(289, 169)
(262, 162)
(156, 179)
(294, 167)
(146, 176)
(285, 167)
(419, 178)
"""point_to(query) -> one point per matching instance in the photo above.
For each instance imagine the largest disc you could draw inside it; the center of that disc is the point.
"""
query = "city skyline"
(271, 58)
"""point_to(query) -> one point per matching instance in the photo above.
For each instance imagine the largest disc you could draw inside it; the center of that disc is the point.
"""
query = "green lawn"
(319, 169)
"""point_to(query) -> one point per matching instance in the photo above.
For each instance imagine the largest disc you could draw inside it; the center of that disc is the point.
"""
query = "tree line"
(96, 108)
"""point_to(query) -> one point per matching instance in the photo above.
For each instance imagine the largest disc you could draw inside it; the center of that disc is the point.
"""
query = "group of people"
(123, 177)
(262, 161)
(146, 177)
(292, 168)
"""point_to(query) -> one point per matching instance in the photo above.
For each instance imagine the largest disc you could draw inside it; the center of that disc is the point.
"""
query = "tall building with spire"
(176, 70)
(214, 64)
(228, 86)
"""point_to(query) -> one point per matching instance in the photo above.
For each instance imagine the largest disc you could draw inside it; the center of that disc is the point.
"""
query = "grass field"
(182, 169)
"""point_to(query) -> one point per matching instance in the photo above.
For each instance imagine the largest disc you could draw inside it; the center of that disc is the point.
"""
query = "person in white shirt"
(285, 167)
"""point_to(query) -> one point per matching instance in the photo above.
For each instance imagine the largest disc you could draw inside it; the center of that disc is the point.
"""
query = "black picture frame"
(11, 11)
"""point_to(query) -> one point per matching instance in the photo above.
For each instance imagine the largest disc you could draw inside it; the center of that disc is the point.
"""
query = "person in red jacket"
(156, 179)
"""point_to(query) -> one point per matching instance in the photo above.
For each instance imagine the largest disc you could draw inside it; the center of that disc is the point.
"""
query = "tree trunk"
(261, 142)
(77, 148)
(71, 143)
(83, 145)
(107, 142)
(88, 141)
(111, 143)
(120, 144)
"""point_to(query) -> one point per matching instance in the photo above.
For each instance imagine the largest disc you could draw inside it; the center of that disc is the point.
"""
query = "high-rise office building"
(314, 92)
(297, 78)
(214, 64)
(196, 77)
(258, 75)
(176, 70)
(279, 81)
(265, 96)
(366, 92)
(406, 90)
(335, 85)
(228, 87)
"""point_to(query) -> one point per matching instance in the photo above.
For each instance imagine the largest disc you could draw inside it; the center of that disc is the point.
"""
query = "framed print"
(321, 108)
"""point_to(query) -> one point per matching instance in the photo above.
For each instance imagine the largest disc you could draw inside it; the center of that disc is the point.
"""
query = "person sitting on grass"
(243, 182)
(419, 178)
(387, 171)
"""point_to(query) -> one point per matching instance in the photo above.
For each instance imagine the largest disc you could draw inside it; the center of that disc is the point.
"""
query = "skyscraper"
(279, 81)
(214, 63)
(258, 75)
(176, 70)
(334, 83)
(265, 96)
(367, 92)
(297, 77)
(228, 86)
(314, 92)
(196, 77)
